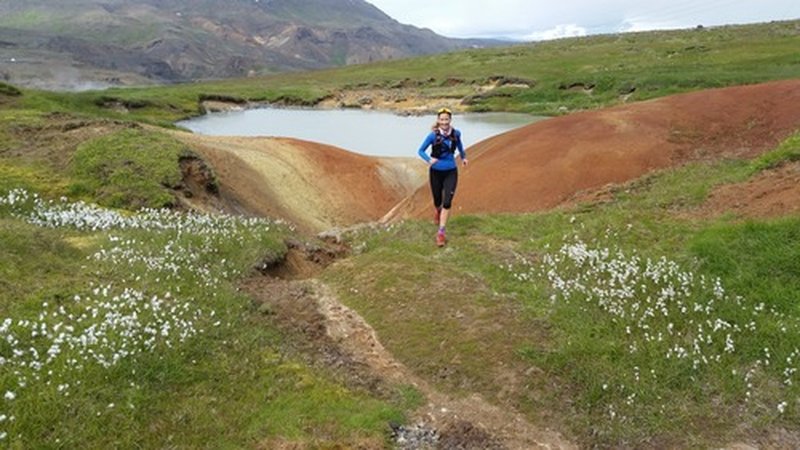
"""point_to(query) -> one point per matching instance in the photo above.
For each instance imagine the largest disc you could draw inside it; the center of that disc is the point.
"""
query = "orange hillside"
(541, 165)
(314, 186)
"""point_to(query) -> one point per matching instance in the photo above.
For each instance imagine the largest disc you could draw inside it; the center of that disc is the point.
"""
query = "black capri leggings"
(443, 187)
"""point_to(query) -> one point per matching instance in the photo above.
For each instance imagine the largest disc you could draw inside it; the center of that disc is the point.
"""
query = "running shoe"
(440, 239)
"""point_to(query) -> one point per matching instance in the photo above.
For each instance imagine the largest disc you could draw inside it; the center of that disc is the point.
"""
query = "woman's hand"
(464, 162)
(434, 161)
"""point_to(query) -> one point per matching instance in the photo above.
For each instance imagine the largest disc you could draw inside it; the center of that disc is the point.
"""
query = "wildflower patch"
(147, 257)
(638, 334)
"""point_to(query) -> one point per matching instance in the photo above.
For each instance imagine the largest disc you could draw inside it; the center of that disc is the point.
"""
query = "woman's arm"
(422, 152)
(461, 147)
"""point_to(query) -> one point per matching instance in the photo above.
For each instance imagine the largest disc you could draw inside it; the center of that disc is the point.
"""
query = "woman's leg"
(437, 184)
(443, 218)
(449, 187)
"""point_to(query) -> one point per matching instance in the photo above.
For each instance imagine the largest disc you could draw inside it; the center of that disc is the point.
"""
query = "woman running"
(443, 140)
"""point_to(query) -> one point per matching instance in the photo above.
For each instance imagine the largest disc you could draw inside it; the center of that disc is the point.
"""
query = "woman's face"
(444, 120)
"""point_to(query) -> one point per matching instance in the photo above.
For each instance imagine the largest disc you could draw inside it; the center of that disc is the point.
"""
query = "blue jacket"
(448, 160)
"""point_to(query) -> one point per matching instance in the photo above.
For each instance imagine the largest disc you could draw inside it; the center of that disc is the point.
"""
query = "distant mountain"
(179, 40)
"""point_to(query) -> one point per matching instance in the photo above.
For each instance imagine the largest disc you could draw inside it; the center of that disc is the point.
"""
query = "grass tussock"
(128, 169)
(9, 90)
(788, 151)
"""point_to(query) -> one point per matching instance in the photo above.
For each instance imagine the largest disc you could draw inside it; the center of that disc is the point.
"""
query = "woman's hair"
(439, 113)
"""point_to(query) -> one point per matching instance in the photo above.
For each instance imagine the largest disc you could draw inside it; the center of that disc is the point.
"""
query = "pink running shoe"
(441, 239)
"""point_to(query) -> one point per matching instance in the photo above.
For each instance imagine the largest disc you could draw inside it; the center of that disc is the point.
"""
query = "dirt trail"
(533, 168)
(346, 340)
(345, 327)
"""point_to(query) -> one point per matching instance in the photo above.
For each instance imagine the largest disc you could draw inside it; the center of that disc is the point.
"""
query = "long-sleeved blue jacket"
(448, 160)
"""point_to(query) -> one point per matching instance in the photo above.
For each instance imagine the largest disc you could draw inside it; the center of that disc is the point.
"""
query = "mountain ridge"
(178, 40)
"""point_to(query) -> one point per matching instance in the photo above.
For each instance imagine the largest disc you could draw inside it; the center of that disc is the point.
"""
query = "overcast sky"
(548, 19)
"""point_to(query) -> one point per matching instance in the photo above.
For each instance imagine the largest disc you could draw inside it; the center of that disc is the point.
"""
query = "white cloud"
(540, 19)
(648, 25)
(560, 31)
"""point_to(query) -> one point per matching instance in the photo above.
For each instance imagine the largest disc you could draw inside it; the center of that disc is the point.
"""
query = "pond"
(374, 133)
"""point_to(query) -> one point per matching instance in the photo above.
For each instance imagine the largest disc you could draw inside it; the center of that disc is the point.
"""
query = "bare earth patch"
(772, 193)
(409, 98)
(315, 186)
(401, 100)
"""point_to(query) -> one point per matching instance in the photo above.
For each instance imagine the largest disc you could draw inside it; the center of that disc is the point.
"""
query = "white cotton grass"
(666, 316)
(89, 217)
(104, 325)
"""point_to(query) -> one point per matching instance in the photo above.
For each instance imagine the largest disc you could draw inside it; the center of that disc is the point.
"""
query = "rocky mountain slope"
(120, 42)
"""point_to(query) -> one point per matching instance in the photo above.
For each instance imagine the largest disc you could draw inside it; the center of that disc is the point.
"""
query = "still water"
(375, 133)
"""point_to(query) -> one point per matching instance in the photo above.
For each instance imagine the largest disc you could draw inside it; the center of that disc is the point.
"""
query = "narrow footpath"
(342, 339)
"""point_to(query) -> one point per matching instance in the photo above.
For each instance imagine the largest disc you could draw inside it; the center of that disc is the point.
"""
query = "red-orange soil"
(314, 186)
(542, 165)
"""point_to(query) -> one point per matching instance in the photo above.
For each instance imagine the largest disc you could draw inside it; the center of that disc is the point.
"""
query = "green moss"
(9, 90)
(128, 169)
(788, 151)
(37, 179)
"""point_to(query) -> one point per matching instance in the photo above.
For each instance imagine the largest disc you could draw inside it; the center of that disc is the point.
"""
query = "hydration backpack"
(439, 148)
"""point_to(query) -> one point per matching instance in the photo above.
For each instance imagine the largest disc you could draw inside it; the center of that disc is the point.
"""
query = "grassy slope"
(477, 313)
(234, 385)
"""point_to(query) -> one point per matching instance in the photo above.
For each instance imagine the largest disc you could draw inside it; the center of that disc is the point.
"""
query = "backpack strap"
(438, 141)
(454, 135)
(454, 138)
